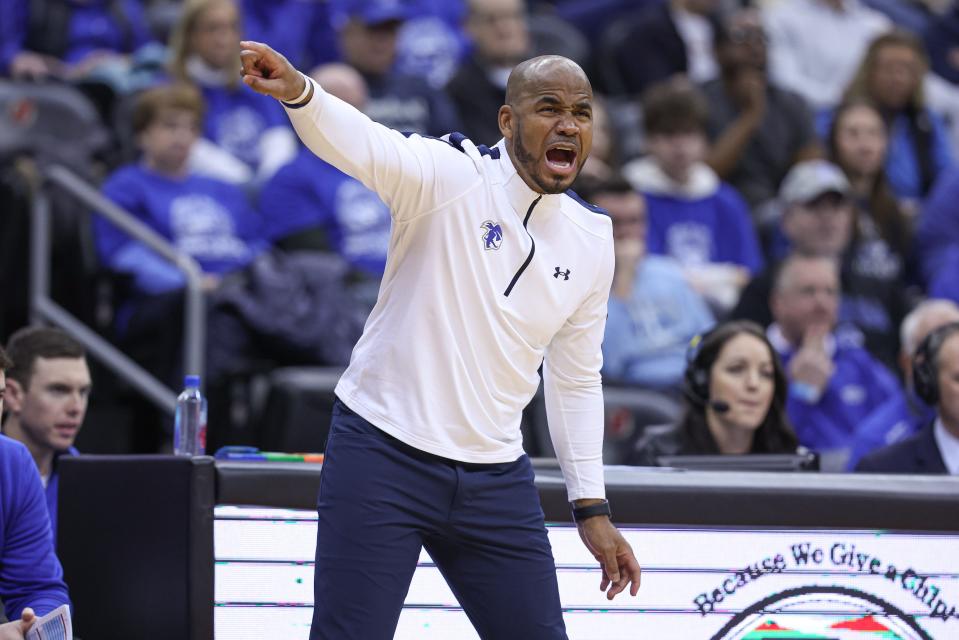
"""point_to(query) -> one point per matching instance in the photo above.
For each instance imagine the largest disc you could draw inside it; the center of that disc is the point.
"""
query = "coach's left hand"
(614, 554)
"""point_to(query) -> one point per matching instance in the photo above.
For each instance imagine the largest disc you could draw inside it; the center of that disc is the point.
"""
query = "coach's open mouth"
(561, 159)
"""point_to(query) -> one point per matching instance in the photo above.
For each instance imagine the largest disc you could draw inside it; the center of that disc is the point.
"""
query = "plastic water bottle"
(189, 431)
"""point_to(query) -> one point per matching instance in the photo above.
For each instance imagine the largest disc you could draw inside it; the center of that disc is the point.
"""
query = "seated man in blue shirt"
(834, 385)
(48, 389)
(31, 579)
(653, 311)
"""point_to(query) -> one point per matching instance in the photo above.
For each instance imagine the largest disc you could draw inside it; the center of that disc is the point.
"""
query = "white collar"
(203, 74)
(518, 192)
(647, 176)
(948, 447)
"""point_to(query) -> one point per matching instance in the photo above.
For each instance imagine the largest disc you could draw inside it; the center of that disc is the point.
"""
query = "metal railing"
(43, 308)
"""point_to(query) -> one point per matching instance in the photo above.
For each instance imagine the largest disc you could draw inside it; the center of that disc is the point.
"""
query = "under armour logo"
(559, 273)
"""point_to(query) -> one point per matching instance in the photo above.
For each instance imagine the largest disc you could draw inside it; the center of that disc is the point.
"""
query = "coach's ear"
(506, 121)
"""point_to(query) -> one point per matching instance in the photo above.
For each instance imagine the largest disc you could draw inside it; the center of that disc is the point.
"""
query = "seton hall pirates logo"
(492, 235)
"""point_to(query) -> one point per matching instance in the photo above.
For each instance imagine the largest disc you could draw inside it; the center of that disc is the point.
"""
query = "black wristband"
(598, 509)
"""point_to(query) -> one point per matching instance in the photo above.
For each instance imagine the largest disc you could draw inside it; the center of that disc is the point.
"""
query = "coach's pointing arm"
(412, 175)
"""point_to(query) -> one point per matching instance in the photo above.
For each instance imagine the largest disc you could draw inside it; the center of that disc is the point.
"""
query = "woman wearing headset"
(735, 395)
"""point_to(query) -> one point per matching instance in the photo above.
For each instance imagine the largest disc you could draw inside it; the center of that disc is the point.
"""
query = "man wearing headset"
(934, 449)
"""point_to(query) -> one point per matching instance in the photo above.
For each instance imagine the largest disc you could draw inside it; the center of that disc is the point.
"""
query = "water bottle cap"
(191, 381)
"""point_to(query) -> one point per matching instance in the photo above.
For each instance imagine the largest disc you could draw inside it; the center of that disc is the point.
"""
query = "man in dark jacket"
(500, 38)
(367, 32)
(934, 449)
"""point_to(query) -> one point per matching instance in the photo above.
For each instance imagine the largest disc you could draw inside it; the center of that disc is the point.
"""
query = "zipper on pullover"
(532, 249)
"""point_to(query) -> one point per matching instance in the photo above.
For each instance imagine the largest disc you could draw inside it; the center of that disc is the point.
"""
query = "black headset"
(696, 376)
(925, 365)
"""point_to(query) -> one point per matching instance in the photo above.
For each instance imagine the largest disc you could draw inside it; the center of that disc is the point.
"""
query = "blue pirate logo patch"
(492, 235)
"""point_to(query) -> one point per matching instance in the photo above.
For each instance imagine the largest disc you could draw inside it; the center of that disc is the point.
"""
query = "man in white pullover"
(493, 269)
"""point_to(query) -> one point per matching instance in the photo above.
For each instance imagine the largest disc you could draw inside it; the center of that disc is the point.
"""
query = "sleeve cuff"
(304, 98)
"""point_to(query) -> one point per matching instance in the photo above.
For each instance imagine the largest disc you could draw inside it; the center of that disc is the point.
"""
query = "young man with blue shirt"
(494, 269)
(31, 579)
(834, 384)
(210, 220)
(694, 217)
(48, 391)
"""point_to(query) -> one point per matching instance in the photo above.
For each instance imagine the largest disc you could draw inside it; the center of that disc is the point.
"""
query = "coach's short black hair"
(5, 361)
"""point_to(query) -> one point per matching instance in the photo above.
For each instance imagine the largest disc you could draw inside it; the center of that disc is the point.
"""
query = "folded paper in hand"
(56, 625)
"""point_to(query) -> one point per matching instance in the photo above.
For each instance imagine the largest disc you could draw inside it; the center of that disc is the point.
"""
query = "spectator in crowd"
(934, 449)
(603, 162)
(246, 137)
(367, 35)
(735, 395)
(431, 43)
(937, 242)
(47, 392)
(898, 420)
(204, 218)
(302, 30)
(891, 76)
(834, 385)
(70, 40)
(668, 39)
(500, 38)
(758, 130)
(819, 220)
(653, 312)
(858, 141)
(310, 204)
(31, 579)
(694, 217)
(209, 220)
(941, 37)
(815, 45)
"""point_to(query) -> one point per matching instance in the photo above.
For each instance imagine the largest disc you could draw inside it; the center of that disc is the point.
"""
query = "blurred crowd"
(781, 176)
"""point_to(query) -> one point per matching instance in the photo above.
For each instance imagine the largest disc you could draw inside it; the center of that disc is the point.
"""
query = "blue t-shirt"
(211, 221)
(236, 118)
(30, 573)
(309, 192)
(713, 229)
(647, 336)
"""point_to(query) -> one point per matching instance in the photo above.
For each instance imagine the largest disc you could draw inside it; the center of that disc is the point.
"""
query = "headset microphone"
(719, 406)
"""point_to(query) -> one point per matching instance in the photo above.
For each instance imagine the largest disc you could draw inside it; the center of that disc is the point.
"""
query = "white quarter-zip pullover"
(485, 280)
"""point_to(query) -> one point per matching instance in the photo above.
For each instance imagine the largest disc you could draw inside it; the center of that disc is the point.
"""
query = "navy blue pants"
(381, 501)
